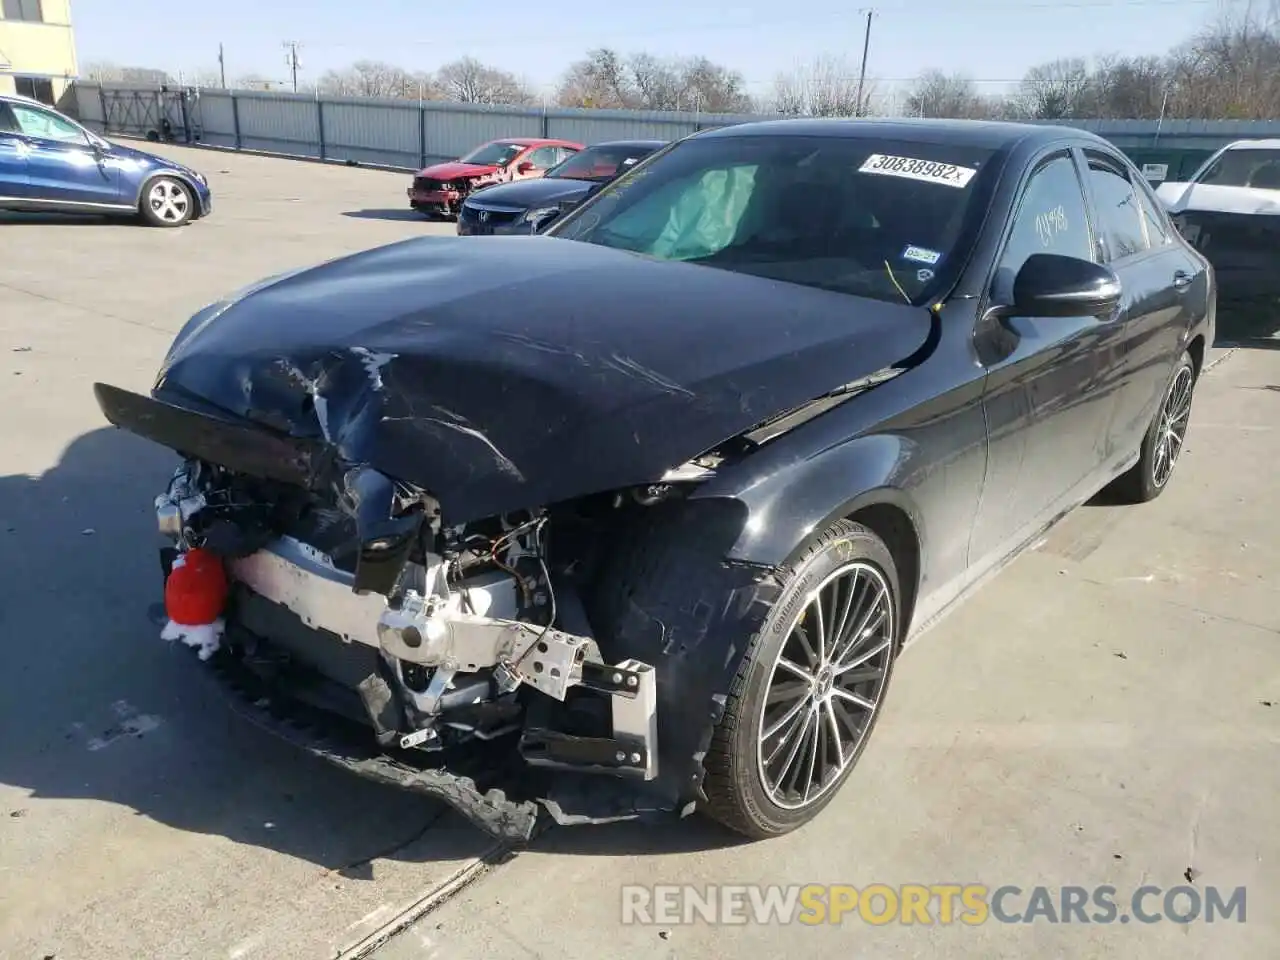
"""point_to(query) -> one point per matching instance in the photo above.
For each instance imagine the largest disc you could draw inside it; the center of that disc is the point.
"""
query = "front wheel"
(810, 687)
(167, 202)
(1162, 444)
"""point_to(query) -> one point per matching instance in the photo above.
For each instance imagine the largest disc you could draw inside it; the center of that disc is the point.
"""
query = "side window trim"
(1119, 168)
(1057, 151)
(8, 122)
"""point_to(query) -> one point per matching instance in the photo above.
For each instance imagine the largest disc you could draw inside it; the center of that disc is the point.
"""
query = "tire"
(1163, 442)
(739, 771)
(166, 202)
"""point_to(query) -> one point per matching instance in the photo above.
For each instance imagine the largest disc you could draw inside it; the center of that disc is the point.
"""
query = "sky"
(992, 41)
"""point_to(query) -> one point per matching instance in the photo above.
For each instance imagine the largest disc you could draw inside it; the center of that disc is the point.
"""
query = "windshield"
(875, 218)
(599, 163)
(494, 154)
(1244, 168)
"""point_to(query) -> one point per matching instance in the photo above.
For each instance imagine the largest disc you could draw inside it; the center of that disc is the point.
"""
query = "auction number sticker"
(928, 171)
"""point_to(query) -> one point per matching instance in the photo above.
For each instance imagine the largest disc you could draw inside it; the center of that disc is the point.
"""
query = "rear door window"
(1120, 216)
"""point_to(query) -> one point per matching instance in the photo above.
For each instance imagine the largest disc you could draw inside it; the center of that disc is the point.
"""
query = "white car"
(1230, 211)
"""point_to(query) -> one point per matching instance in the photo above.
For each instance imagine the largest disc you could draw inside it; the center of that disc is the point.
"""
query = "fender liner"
(670, 598)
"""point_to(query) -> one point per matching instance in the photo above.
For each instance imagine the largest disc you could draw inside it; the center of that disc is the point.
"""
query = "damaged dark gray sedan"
(634, 517)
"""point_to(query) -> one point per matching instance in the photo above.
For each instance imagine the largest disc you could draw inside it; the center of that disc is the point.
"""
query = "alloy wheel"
(169, 202)
(1174, 417)
(826, 685)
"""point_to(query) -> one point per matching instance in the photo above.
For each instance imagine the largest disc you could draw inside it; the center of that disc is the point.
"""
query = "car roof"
(631, 144)
(535, 141)
(1272, 144)
(988, 134)
(19, 98)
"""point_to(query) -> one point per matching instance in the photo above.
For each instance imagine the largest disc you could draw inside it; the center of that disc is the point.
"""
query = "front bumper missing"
(301, 657)
(272, 707)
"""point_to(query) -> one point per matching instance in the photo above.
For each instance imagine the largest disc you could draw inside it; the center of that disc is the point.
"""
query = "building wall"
(40, 50)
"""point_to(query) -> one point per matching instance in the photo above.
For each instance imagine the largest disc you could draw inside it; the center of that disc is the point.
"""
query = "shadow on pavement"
(397, 214)
(14, 218)
(691, 835)
(94, 705)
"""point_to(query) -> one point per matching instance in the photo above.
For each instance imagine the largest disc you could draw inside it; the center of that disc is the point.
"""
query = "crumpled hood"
(1208, 198)
(453, 170)
(501, 373)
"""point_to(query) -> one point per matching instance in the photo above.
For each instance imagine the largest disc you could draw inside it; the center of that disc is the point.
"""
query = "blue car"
(51, 164)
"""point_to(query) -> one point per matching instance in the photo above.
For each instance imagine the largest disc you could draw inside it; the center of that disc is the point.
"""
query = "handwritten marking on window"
(1051, 224)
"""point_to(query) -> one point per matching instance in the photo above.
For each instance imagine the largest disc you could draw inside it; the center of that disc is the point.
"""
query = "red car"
(441, 188)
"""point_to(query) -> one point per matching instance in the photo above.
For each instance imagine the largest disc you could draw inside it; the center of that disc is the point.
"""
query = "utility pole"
(291, 60)
(862, 74)
(222, 67)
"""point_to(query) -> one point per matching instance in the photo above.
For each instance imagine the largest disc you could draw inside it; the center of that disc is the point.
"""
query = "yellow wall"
(39, 49)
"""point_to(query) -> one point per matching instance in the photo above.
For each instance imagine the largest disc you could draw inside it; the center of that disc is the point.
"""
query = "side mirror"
(524, 167)
(1051, 285)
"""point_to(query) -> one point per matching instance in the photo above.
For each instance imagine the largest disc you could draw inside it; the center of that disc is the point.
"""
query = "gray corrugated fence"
(407, 134)
(395, 133)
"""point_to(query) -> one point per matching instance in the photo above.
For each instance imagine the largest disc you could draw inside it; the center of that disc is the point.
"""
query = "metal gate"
(168, 115)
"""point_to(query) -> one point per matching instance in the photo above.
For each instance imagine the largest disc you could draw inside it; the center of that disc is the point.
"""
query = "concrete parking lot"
(1106, 711)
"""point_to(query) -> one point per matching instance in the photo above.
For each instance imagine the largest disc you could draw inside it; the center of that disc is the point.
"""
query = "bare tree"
(607, 79)
(825, 87)
(712, 87)
(105, 71)
(1229, 70)
(1129, 88)
(1057, 90)
(657, 84)
(470, 81)
(371, 78)
(600, 80)
(937, 94)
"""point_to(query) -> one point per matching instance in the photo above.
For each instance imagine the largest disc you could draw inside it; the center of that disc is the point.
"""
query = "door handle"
(1182, 280)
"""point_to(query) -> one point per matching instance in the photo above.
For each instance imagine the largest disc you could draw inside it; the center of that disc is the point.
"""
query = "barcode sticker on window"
(929, 171)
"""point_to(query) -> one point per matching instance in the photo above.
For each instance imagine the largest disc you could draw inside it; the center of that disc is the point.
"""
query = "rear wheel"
(810, 687)
(167, 202)
(1162, 444)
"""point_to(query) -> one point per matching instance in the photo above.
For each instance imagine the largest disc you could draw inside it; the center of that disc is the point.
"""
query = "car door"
(1158, 303)
(1046, 399)
(541, 160)
(13, 157)
(62, 166)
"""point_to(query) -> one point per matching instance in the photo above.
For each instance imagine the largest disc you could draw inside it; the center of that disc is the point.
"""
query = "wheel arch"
(867, 480)
(1196, 348)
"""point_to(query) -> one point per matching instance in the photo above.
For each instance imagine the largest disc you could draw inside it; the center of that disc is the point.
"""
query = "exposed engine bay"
(445, 634)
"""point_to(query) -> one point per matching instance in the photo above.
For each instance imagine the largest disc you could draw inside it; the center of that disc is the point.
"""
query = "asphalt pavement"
(1106, 710)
